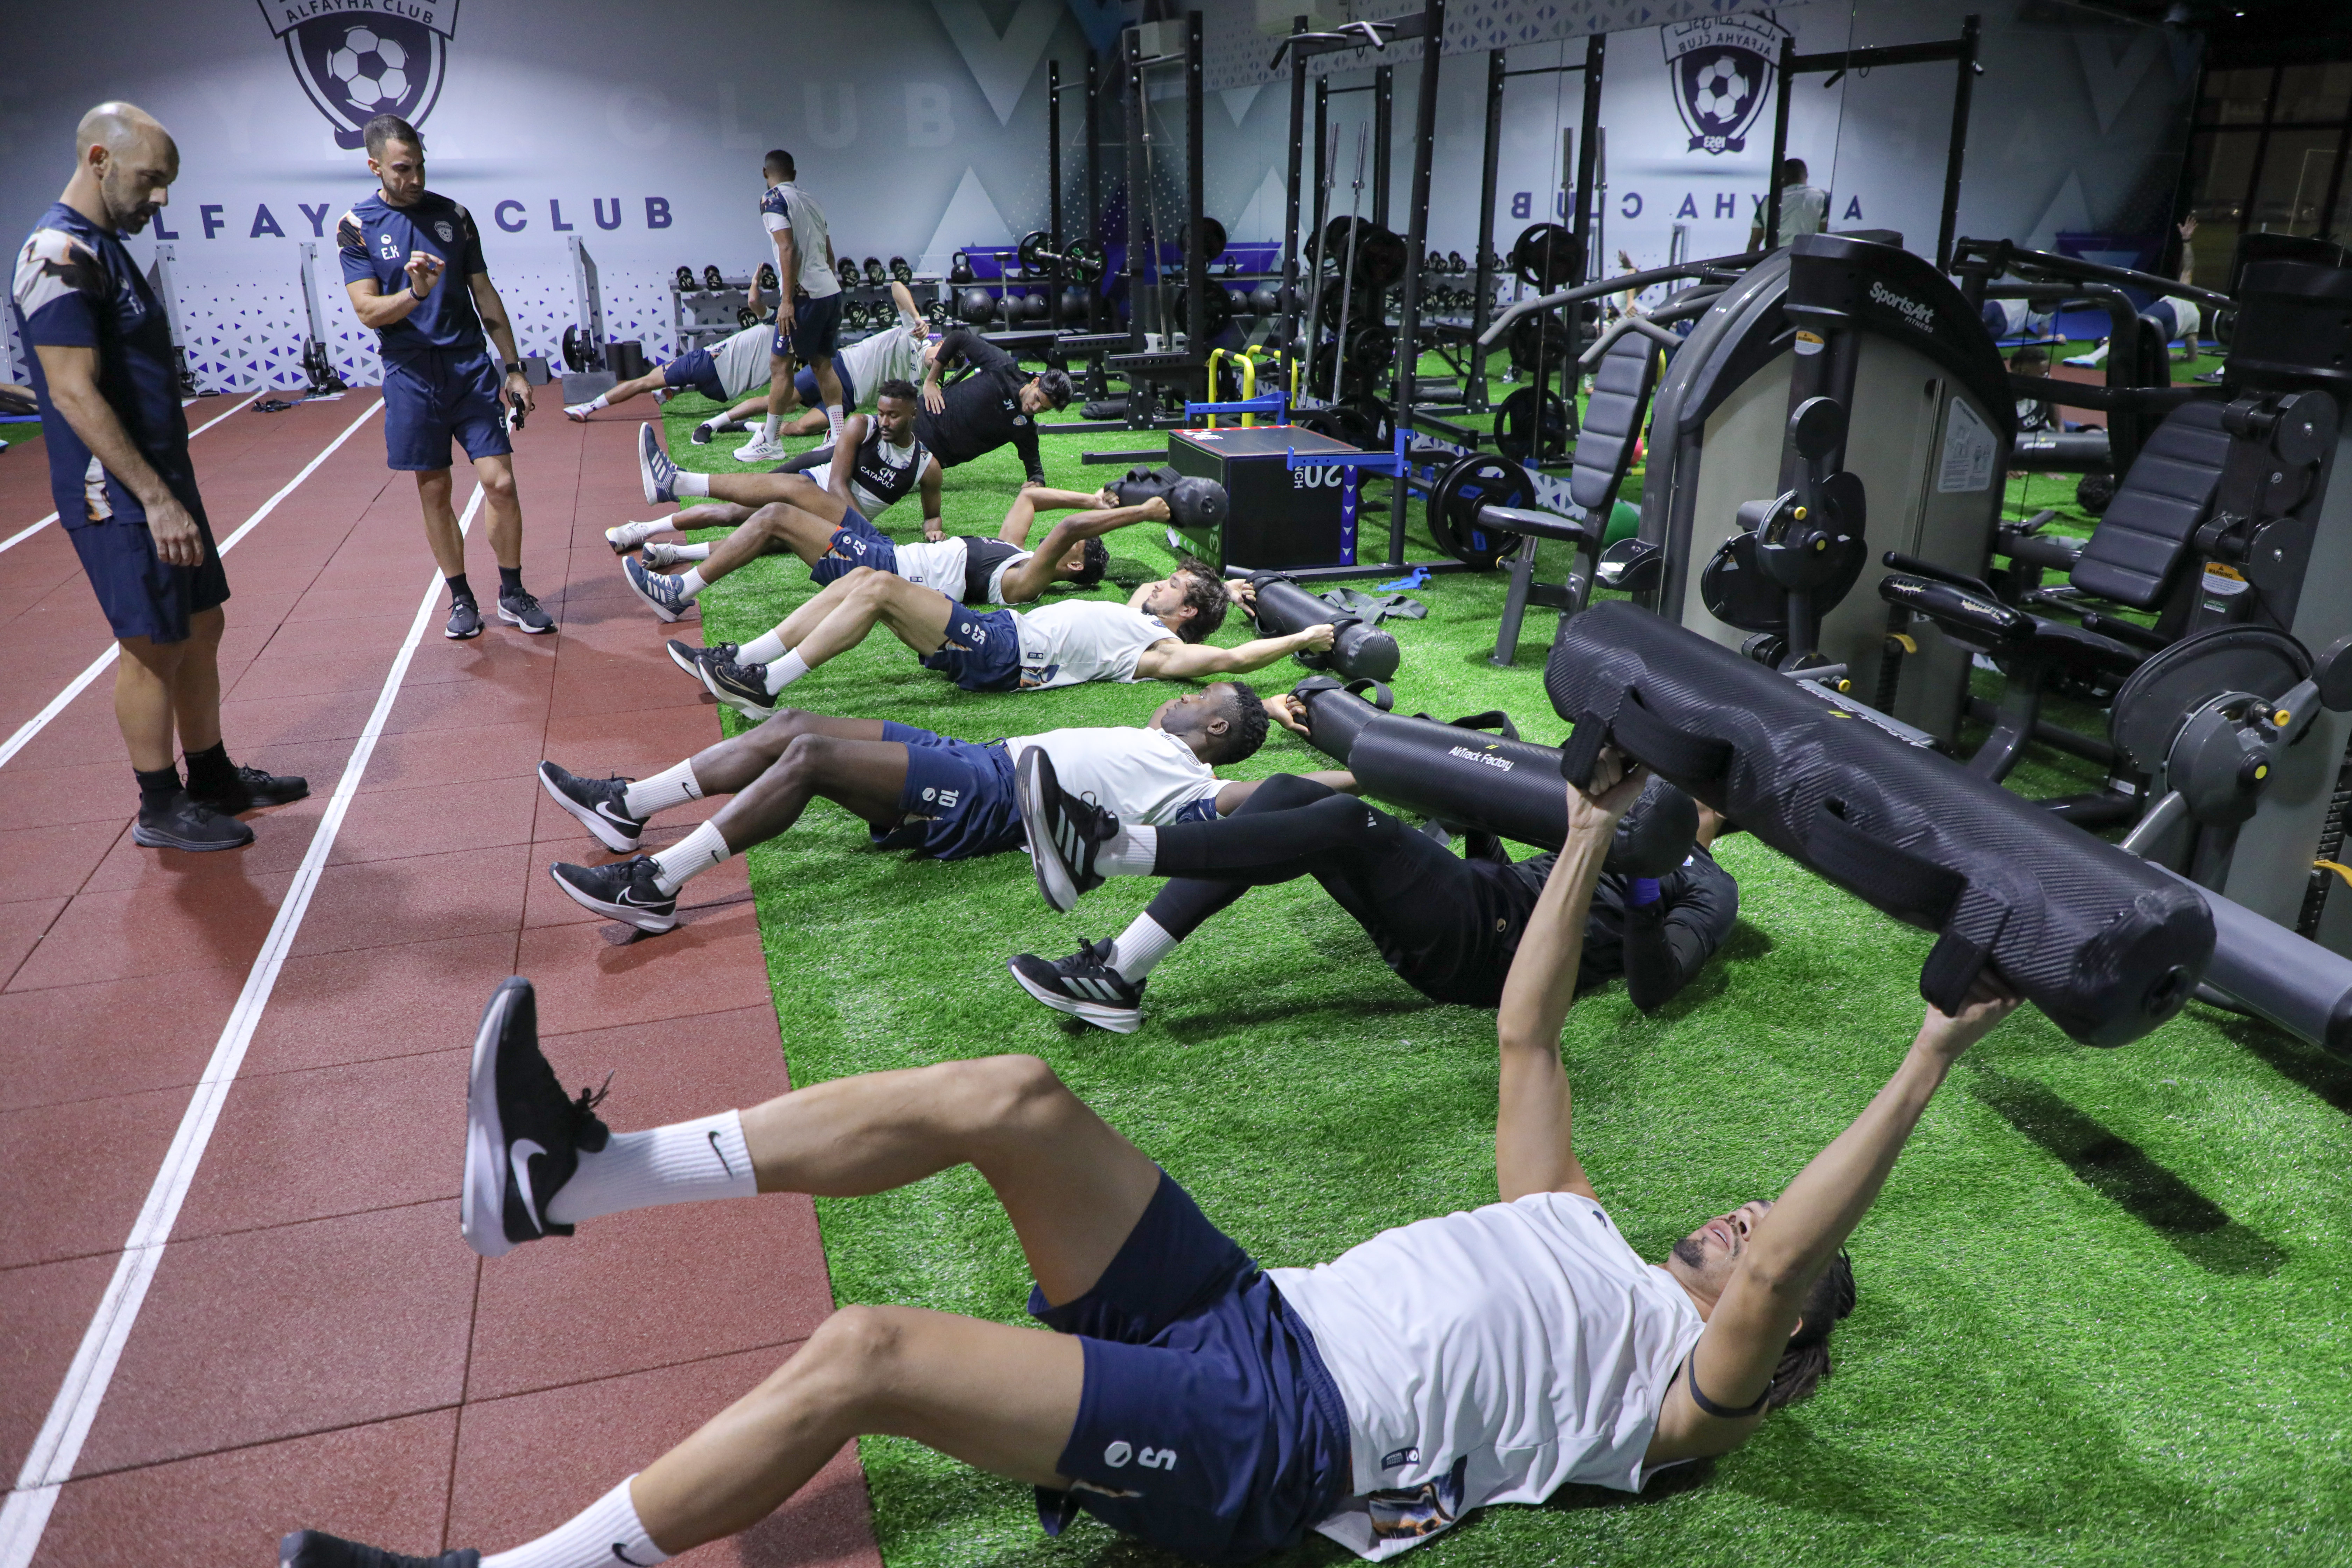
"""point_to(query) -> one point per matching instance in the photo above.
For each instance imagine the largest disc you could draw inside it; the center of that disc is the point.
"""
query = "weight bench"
(1603, 455)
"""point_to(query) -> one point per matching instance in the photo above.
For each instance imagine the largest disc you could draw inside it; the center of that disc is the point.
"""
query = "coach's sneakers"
(743, 687)
(597, 803)
(1084, 985)
(317, 1549)
(624, 891)
(465, 620)
(663, 594)
(690, 658)
(248, 789)
(1065, 831)
(627, 536)
(654, 467)
(760, 450)
(190, 825)
(521, 609)
(578, 412)
(523, 1135)
(661, 553)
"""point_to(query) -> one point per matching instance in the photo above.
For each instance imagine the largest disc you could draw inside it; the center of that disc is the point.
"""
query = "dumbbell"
(899, 271)
(1453, 262)
(686, 284)
(767, 278)
(1358, 651)
(1192, 501)
(875, 274)
(712, 280)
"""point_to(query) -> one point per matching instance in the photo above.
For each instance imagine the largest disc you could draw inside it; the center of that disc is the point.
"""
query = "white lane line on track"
(23, 534)
(103, 662)
(25, 1516)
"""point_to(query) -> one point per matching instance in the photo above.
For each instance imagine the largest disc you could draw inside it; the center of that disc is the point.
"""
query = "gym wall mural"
(637, 130)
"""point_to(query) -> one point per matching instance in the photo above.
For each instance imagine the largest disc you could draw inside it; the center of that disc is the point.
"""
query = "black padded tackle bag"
(2107, 946)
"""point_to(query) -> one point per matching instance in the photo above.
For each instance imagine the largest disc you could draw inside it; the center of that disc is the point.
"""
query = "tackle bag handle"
(1647, 737)
(1909, 885)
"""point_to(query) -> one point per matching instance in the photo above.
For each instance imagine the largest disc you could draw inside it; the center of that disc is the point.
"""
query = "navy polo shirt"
(376, 237)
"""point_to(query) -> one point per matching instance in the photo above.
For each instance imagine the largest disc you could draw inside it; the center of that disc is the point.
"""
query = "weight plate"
(574, 358)
(1547, 257)
(2152, 703)
(1736, 591)
(1212, 239)
(1527, 430)
(1479, 480)
(1540, 340)
(1033, 249)
(1218, 314)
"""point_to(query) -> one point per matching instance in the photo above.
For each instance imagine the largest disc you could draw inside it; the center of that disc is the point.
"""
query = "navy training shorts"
(1208, 1424)
(982, 651)
(957, 802)
(696, 369)
(432, 398)
(141, 596)
(816, 328)
(805, 383)
(856, 543)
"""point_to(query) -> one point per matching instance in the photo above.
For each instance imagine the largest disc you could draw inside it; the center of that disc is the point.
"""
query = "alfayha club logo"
(1722, 68)
(360, 58)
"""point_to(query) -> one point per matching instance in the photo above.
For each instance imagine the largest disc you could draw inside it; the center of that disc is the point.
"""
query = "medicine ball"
(1655, 834)
(1266, 302)
(1034, 307)
(977, 305)
(1073, 305)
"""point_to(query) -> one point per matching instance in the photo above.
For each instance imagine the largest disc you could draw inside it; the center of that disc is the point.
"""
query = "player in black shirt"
(993, 405)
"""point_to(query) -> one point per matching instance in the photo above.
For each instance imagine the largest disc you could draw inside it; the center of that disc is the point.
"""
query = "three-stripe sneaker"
(626, 890)
(1084, 985)
(1065, 832)
(597, 803)
(658, 474)
(523, 1134)
(664, 594)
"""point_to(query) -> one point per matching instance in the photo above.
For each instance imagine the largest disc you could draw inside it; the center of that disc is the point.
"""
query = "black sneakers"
(690, 658)
(743, 687)
(523, 1135)
(624, 891)
(597, 803)
(191, 825)
(249, 789)
(522, 610)
(317, 1549)
(1065, 832)
(465, 620)
(1084, 985)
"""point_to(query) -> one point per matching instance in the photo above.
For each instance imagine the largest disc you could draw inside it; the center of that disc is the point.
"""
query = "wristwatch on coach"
(514, 367)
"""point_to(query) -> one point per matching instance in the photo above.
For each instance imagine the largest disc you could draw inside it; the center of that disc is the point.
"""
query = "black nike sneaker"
(626, 890)
(1065, 832)
(523, 1134)
(522, 610)
(690, 658)
(597, 803)
(317, 1549)
(465, 620)
(1084, 985)
(188, 824)
(743, 687)
(250, 789)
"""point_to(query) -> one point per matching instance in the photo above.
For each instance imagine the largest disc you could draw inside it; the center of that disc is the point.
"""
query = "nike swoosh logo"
(605, 809)
(519, 1154)
(624, 1557)
(723, 1165)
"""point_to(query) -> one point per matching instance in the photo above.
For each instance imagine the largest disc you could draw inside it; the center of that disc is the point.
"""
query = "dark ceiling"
(2252, 32)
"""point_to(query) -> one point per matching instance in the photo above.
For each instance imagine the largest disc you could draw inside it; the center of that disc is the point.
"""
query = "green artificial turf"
(2102, 1312)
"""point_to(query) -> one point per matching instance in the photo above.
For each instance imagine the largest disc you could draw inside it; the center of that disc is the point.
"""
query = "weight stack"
(2106, 946)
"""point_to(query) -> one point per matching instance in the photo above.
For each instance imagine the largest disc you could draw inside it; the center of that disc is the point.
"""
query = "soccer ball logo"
(370, 69)
(1720, 92)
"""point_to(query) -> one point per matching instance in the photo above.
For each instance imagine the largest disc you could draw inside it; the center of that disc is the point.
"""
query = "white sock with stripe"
(684, 1163)
(773, 428)
(690, 553)
(765, 648)
(1130, 853)
(691, 583)
(687, 484)
(672, 786)
(784, 670)
(1139, 949)
(691, 856)
(609, 1532)
(602, 400)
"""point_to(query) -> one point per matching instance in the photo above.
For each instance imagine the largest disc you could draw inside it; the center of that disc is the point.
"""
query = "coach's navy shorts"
(958, 801)
(141, 596)
(816, 328)
(856, 543)
(696, 369)
(1208, 1424)
(805, 383)
(431, 398)
(982, 651)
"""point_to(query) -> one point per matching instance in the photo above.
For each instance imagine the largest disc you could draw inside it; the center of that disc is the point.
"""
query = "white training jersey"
(1138, 775)
(788, 206)
(741, 361)
(1492, 1356)
(1803, 210)
(946, 566)
(888, 355)
(1083, 639)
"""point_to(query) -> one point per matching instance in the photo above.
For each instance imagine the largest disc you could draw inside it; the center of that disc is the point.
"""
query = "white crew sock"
(783, 671)
(692, 584)
(1130, 853)
(690, 553)
(773, 428)
(832, 424)
(684, 1163)
(673, 786)
(691, 856)
(1139, 949)
(609, 1531)
(603, 400)
(696, 485)
(765, 648)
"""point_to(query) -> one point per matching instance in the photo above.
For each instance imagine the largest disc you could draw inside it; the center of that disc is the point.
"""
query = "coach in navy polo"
(440, 385)
(107, 384)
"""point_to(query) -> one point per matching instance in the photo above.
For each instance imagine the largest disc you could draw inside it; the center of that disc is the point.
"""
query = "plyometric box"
(1282, 517)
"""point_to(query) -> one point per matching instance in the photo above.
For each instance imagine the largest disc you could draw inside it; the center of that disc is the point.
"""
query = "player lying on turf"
(949, 799)
(1447, 924)
(1187, 1396)
(1157, 635)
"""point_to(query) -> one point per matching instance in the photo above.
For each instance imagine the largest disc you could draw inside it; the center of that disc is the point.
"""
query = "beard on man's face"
(1689, 1253)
